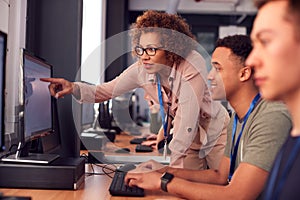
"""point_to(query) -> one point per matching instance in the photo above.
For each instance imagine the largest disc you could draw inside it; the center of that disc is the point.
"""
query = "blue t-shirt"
(290, 189)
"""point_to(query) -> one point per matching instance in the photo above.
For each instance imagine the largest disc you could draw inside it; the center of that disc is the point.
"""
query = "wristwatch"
(165, 179)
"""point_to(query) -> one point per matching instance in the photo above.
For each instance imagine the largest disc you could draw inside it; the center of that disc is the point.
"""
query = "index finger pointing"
(51, 80)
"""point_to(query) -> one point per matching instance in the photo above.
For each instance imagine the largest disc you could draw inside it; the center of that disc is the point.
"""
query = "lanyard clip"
(165, 149)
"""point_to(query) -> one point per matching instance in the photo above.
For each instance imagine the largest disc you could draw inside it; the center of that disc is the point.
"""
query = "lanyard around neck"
(272, 192)
(164, 119)
(235, 147)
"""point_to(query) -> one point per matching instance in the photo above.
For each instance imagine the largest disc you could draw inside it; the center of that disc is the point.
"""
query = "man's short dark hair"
(240, 45)
(294, 10)
(294, 4)
(260, 3)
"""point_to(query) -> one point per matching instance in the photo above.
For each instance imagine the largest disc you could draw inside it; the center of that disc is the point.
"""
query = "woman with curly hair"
(173, 75)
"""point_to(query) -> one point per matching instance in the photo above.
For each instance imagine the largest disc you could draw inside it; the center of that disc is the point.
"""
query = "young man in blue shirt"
(275, 57)
(255, 134)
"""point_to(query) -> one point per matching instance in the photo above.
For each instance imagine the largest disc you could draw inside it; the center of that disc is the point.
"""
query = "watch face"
(167, 176)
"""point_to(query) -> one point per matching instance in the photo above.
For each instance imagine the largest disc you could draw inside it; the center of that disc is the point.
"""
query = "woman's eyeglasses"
(150, 51)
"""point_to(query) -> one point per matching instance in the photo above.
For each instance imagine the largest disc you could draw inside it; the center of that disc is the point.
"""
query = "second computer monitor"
(87, 116)
(2, 87)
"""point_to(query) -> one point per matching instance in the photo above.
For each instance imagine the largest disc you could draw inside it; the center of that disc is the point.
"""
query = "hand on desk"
(146, 175)
(148, 180)
(143, 142)
(152, 143)
(152, 136)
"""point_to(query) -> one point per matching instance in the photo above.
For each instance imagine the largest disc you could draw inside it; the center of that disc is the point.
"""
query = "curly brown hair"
(175, 34)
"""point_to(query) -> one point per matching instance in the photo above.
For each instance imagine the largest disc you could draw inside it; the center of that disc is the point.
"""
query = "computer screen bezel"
(43, 132)
(2, 111)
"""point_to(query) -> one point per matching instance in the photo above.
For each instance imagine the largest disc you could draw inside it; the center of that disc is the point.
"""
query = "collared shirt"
(198, 121)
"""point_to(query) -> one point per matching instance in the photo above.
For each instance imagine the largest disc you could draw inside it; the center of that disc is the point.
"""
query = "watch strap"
(165, 179)
(163, 185)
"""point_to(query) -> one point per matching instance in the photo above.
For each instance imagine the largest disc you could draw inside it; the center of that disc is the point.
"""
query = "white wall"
(93, 36)
(13, 22)
(4, 10)
(191, 6)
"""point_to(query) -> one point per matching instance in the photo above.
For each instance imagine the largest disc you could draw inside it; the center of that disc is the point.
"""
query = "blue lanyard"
(162, 112)
(272, 192)
(235, 147)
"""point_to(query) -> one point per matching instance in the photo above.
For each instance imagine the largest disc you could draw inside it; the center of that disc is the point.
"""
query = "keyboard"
(138, 140)
(119, 188)
(14, 198)
(143, 148)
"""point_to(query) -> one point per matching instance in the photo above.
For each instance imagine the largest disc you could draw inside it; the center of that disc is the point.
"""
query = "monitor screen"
(2, 86)
(87, 115)
(37, 99)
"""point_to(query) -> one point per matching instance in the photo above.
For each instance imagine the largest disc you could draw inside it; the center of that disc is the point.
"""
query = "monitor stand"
(23, 156)
(32, 158)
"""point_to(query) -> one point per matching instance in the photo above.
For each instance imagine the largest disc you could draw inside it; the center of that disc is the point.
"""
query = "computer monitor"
(38, 108)
(3, 41)
(37, 99)
(87, 116)
(123, 110)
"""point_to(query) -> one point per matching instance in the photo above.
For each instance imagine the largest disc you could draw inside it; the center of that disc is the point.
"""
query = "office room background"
(66, 32)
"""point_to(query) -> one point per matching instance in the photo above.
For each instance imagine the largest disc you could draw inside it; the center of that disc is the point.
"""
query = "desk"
(95, 187)
(123, 141)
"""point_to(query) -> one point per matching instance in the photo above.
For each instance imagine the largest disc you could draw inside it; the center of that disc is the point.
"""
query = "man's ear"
(246, 73)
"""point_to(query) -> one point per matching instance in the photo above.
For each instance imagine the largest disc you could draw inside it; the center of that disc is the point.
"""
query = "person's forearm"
(160, 135)
(192, 190)
(76, 91)
(202, 176)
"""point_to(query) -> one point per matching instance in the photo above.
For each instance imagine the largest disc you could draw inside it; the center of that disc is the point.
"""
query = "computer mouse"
(127, 167)
(122, 150)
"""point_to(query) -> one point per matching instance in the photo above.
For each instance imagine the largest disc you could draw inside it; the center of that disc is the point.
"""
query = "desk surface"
(95, 187)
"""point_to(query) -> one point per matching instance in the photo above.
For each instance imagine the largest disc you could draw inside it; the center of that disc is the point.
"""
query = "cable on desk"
(104, 170)
(93, 173)
(106, 167)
